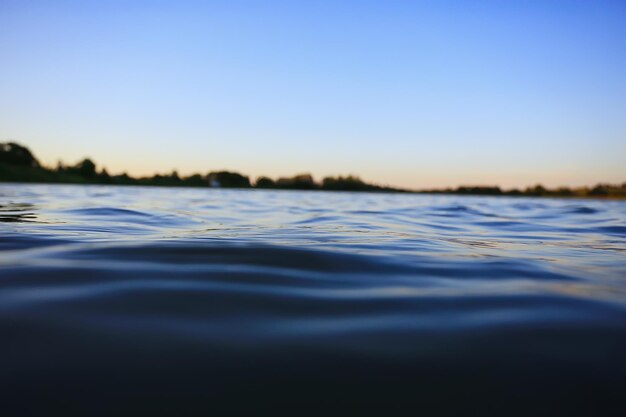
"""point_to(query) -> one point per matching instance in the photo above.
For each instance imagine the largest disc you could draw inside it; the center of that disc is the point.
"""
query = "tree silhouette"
(264, 182)
(14, 154)
(86, 168)
(229, 179)
(17, 164)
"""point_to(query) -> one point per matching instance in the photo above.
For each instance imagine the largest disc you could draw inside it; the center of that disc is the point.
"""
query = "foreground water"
(191, 301)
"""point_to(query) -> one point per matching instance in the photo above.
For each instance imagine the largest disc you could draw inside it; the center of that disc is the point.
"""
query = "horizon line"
(165, 174)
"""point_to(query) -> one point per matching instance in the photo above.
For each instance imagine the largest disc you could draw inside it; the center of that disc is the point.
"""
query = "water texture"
(240, 302)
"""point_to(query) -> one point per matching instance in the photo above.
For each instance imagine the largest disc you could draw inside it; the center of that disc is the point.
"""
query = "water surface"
(193, 301)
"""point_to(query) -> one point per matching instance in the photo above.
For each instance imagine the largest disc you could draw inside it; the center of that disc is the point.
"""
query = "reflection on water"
(17, 212)
(200, 301)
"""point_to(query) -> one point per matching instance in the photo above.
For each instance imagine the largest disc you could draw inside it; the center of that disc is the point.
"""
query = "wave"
(193, 303)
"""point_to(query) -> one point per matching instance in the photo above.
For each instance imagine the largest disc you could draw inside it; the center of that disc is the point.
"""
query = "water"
(238, 302)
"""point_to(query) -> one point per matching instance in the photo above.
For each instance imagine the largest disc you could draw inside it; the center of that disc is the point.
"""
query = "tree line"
(18, 164)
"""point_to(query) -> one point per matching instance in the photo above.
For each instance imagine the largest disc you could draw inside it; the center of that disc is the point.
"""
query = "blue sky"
(408, 93)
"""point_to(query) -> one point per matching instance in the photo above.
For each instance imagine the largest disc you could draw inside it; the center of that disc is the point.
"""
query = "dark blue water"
(144, 301)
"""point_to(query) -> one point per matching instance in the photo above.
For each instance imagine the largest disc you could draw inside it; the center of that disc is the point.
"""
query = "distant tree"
(157, 179)
(15, 154)
(564, 191)
(86, 168)
(537, 190)
(349, 183)
(304, 181)
(479, 190)
(165, 180)
(195, 180)
(104, 176)
(599, 191)
(122, 179)
(229, 179)
(264, 182)
(297, 182)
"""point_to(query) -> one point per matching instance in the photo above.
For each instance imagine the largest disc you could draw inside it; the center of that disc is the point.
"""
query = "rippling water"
(192, 301)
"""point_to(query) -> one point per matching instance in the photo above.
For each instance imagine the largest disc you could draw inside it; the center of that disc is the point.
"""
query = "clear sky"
(407, 93)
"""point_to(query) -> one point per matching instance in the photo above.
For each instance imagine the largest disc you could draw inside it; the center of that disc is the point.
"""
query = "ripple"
(581, 210)
(108, 212)
(229, 302)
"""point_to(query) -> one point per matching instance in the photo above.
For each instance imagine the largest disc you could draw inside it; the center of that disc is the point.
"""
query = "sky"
(415, 94)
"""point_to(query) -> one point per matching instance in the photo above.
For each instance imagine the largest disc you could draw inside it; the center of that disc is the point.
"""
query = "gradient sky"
(408, 93)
